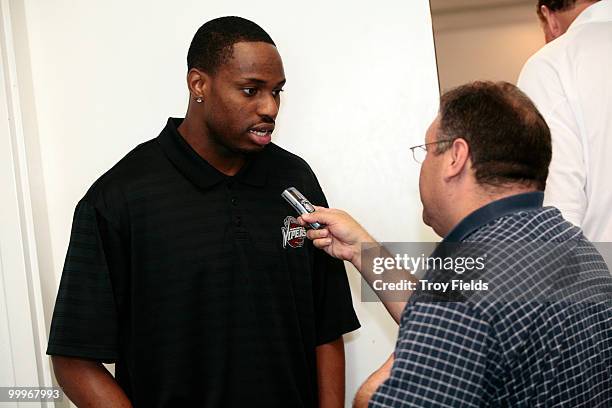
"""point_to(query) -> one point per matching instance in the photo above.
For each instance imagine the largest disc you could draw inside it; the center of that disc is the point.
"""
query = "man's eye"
(249, 91)
(277, 92)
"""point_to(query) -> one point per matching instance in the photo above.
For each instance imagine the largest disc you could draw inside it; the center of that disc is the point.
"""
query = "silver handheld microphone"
(299, 203)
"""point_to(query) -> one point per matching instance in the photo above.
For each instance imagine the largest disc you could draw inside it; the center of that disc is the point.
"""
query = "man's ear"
(553, 26)
(198, 83)
(458, 157)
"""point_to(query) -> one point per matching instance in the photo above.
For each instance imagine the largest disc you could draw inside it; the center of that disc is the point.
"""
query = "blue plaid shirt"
(540, 337)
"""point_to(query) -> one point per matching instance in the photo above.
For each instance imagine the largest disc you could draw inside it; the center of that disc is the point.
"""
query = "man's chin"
(425, 219)
(251, 149)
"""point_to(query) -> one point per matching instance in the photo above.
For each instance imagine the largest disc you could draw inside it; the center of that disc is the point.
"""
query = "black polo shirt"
(200, 286)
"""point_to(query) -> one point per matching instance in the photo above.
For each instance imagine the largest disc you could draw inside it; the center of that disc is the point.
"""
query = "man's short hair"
(212, 44)
(556, 5)
(508, 137)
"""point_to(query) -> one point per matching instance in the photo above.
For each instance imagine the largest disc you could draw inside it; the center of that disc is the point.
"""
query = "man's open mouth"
(261, 133)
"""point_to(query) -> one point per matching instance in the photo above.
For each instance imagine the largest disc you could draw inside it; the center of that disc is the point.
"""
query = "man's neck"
(224, 160)
(477, 199)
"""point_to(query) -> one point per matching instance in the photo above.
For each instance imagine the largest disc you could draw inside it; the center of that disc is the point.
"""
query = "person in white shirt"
(570, 81)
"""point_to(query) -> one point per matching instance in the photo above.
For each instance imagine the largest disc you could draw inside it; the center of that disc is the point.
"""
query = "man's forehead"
(256, 60)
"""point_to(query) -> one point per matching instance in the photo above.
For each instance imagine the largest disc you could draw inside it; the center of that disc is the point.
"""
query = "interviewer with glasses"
(484, 166)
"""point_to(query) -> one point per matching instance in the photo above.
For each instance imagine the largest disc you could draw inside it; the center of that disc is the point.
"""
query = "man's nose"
(268, 106)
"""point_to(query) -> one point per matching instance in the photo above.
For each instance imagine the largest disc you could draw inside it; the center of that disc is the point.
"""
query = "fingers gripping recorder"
(299, 203)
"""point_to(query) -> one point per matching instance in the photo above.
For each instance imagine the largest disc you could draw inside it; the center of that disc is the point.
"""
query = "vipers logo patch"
(293, 233)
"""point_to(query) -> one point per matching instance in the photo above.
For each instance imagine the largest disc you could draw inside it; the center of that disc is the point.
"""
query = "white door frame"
(23, 335)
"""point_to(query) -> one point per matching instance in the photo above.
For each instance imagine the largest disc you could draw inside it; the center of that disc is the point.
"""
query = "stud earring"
(199, 99)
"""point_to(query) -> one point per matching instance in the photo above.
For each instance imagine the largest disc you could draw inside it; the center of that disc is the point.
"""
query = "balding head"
(508, 138)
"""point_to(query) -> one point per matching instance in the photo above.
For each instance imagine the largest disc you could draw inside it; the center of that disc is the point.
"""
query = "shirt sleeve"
(334, 312)
(441, 358)
(84, 320)
(566, 183)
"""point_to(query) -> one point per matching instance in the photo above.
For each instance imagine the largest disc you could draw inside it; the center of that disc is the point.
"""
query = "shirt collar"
(492, 211)
(600, 11)
(198, 170)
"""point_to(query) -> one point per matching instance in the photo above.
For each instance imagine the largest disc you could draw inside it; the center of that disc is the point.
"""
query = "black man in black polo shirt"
(171, 276)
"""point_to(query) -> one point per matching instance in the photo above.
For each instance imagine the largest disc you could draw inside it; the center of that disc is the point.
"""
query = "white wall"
(100, 77)
(22, 329)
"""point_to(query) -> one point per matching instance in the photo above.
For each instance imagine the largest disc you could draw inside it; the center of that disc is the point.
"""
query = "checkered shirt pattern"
(540, 337)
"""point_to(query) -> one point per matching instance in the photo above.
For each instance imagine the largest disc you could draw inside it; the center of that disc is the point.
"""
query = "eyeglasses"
(419, 152)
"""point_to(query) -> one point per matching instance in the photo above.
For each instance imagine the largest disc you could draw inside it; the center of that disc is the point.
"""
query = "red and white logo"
(293, 233)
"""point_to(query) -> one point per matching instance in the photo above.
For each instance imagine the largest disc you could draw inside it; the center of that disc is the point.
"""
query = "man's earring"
(199, 99)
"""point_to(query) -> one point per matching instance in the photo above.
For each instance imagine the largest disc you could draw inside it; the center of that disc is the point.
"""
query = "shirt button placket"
(235, 210)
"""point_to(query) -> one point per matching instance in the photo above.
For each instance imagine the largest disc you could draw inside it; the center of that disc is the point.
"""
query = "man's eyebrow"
(262, 82)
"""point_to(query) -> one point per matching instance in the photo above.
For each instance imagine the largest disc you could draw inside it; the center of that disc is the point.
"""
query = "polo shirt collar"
(198, 170)
(494, 210)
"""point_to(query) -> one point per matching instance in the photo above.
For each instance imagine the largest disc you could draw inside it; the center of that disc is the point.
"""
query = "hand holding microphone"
(333, 231)
(340, 235)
